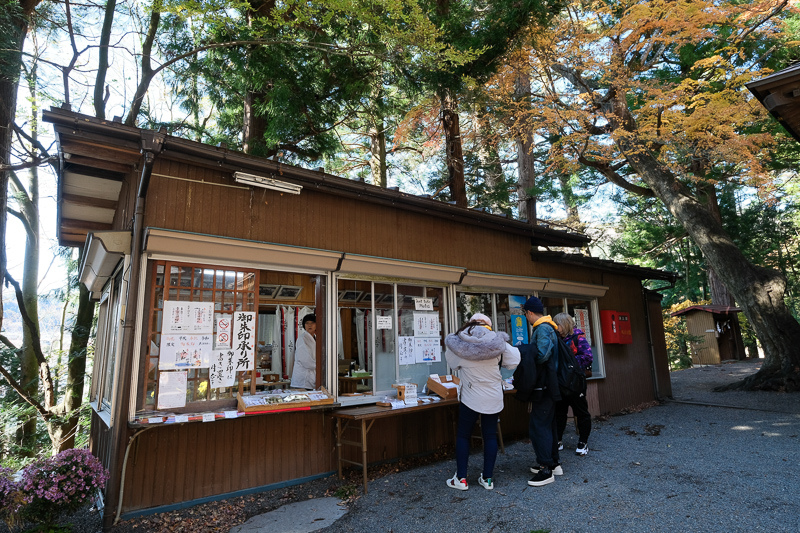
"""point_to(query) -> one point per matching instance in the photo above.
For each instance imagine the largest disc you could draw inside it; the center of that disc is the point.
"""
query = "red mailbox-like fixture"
(616, 327)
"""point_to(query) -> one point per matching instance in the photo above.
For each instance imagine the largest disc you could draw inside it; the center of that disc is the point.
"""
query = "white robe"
(305, 362)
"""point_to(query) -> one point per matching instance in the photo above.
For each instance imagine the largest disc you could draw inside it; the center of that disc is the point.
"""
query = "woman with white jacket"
(475, 353)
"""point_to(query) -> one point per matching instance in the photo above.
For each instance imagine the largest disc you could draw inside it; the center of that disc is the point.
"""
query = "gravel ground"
(704, 461)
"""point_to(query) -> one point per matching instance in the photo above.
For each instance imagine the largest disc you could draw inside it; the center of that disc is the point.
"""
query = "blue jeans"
(466, 422)
(543, 431)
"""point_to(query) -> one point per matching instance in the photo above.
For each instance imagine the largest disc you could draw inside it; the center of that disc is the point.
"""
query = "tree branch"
(36, 343)
(22, 394)
(614, 177)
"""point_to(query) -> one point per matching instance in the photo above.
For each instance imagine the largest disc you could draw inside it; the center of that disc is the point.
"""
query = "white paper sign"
(383, 322)
(427, 350)
(397, 404)
(231, 414)
(221, 372)
(171, 390)
(423, 304)
(244, 340)
(405, 350)
(181, 418)
(187, 317)
(208, 417)
(223, 338)
(426, 324)
(182, 351)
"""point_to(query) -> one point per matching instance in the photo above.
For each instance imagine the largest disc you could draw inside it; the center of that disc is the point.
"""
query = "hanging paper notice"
(188, 317)
(423, 304)
(405, 350)
(426, 325)
(244, 340)
(171, 390)
(582, 322)
(181, 351)
(223, 339)
(221, 372)
(427, 350)
(383, 322)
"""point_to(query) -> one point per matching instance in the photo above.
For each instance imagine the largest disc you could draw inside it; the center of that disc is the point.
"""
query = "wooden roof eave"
(126, 138)
(779, 93)
(604, 264)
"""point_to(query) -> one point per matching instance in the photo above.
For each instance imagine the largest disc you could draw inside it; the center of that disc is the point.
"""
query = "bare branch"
(22, 394)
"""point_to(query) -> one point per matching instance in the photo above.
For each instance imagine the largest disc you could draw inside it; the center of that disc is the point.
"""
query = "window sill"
(102, 412)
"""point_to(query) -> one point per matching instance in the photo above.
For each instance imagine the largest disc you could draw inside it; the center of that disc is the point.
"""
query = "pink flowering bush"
(11, 497)
(62, 483)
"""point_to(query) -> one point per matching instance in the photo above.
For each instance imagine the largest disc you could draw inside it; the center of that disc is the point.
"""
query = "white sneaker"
(557, 471)
(458, 484)
(487, 484)
(582, 449)
(560, 445)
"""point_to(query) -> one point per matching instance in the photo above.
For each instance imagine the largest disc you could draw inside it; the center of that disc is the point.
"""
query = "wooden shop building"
(204, 262)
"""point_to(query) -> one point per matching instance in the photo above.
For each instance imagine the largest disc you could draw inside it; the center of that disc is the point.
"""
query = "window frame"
(196, 376)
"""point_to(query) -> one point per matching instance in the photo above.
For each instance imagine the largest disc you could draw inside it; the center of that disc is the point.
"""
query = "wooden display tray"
(445, 392)
(284, 406)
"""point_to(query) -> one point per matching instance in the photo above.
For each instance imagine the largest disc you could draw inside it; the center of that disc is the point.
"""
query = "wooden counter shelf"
(367, 415)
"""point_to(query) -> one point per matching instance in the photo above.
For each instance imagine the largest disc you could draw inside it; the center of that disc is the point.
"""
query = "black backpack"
(571, 378)
(525, 375)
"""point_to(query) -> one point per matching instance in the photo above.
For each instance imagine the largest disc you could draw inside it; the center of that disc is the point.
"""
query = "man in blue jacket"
(542, 426)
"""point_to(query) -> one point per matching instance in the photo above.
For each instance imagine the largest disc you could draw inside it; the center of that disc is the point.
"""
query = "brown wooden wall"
(324, 221)
(629, 367)
(100, 440)
(183, 462)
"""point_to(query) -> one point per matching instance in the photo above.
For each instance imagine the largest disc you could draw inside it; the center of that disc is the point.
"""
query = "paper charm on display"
(405, 350)
(182, 351)
(410, 395)
(244, 340)
(582, 322)
(171, 390)
(427, 350)
(221, 372)
(223, 333)
(188, 317)
(426, 325)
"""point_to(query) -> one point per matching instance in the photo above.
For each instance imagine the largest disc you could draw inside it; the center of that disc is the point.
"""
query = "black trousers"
(580, 408)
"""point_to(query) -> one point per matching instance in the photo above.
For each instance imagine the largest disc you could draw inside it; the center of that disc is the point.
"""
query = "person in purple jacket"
(576, 341)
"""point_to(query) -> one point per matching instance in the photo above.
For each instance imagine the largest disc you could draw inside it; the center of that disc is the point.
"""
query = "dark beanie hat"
(534, 305)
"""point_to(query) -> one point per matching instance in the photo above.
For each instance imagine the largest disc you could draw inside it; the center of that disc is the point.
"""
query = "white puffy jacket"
(474, 355)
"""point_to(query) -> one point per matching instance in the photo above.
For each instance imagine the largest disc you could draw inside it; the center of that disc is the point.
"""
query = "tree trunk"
(147, 68)
(10, 63)
(453, 149)
(719, 292)
(525, 160)
(76, 370)
(488, 154)
(377, 153)
(573, 218)
(102, 62)
(759, 291)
